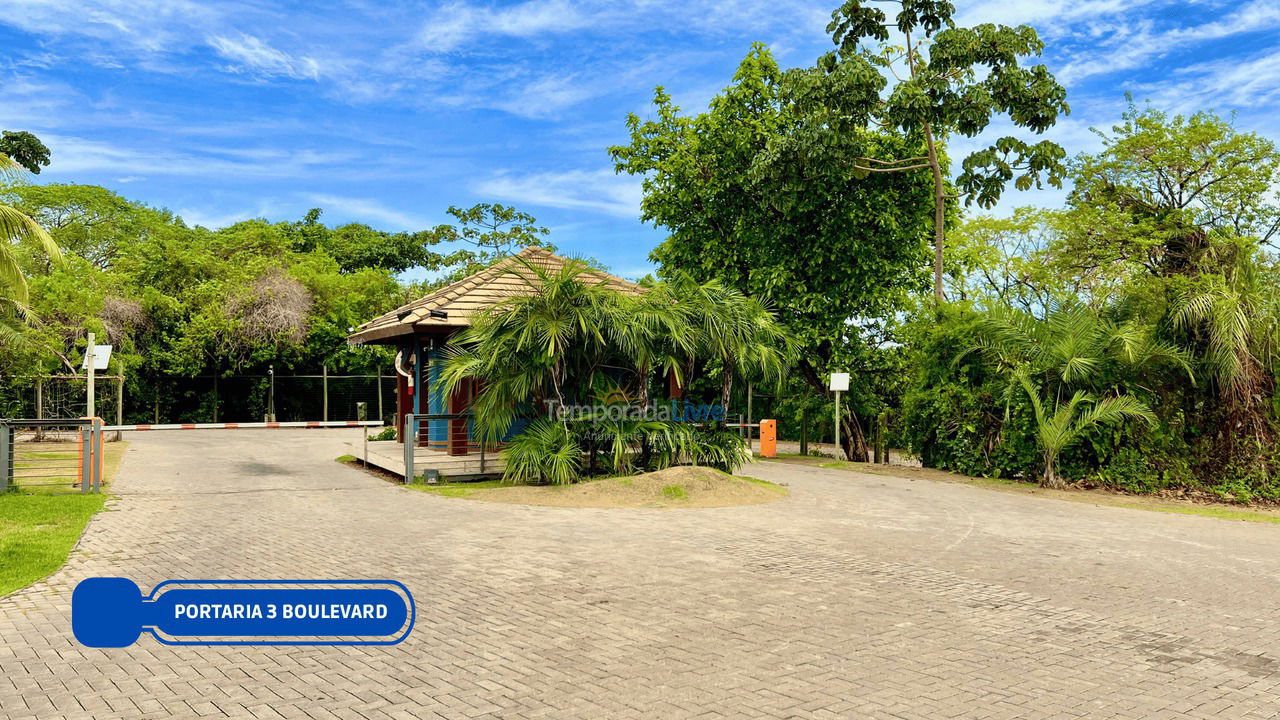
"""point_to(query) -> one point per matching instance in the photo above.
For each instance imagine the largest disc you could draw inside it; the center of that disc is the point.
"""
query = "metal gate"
(51, 454)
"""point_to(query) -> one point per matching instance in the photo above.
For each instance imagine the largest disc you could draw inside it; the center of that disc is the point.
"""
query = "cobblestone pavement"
(857, 596)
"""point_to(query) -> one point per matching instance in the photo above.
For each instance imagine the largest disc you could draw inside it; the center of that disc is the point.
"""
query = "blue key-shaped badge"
(112, 612)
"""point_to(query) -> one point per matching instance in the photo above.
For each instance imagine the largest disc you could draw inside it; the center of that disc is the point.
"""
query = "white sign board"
(101, 356)
(839, 382)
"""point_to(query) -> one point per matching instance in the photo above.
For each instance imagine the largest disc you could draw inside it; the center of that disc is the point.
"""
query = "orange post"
(97, 455)
(769, 438)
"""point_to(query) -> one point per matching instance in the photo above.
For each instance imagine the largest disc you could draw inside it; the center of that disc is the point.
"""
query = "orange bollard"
(769, 438)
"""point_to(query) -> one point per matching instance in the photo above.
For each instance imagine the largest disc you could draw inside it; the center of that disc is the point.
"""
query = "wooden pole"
(90, 406)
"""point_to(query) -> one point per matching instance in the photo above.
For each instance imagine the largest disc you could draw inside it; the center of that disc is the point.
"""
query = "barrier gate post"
(410, 439)
(769, 438)
(6, 456)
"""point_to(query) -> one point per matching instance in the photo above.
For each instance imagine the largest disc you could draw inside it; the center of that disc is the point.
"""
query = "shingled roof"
(462, 300)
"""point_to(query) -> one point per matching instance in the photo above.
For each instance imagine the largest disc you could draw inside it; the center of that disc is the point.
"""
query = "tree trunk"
(939, 214)
(853, 443)
(643, 395)
(1051, 479)
(726, 388)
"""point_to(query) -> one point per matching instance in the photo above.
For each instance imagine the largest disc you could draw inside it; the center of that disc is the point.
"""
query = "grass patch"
(40, 525)
(457, 490)
(37, 532)
(675, 492)
(347, 459)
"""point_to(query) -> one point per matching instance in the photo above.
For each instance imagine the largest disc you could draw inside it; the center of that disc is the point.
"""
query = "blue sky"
(389, 112)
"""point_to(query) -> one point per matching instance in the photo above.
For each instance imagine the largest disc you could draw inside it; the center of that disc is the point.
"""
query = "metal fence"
(203, 398)
(41, 455)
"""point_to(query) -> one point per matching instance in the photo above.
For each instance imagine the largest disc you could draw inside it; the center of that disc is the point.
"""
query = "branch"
(894, 162)
(891, 169)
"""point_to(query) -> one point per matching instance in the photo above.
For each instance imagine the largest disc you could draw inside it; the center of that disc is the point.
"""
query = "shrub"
(721, 448)
(545, 453)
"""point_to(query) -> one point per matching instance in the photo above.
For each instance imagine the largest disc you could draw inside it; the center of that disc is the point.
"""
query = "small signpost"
(96, 357)
(362, 413)
(839, 383)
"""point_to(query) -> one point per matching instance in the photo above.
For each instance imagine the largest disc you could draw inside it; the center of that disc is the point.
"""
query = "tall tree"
(751, 198)
(24, 149)
(15, 227)
(494, 230)
(959, 83)
(1163, 186)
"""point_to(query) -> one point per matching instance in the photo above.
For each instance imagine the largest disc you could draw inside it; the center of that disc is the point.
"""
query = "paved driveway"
(858, 596)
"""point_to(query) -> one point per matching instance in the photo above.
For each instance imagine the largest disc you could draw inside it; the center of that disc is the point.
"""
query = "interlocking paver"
(857, 596)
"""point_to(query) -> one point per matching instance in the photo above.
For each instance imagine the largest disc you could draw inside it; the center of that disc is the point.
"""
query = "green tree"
(1064, 362)
(1059, 424)
(18, 227)
(966, 78)
(89, 221)
(1152, 200)
(756, 195)
(24, 149)
(1232, 315)
(534, 348)
(1176, 209)
(732, 330)
(357, 246)
(493, 230)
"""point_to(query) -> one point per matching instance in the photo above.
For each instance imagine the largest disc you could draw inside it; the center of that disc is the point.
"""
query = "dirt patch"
(676, 487)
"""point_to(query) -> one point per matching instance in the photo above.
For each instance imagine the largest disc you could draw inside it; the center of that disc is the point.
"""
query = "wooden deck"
(389, 455)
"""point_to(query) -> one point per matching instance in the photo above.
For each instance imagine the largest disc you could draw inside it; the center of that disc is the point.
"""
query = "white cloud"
(1252, 82)
(546, 96)
(1132, 44)
(74, 155)
(150, 25)
(1045, 15)
(457, 23)
(595, 190)
(255, 56)
(215, 219)
(370, 210)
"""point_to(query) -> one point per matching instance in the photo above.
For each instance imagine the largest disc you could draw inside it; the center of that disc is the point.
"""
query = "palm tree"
(653, 330)
(735, 331)
(1071, 346)
(1063, 363)
(16, 226)
(1060, 424)
(527, 347)
(1230, 315)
